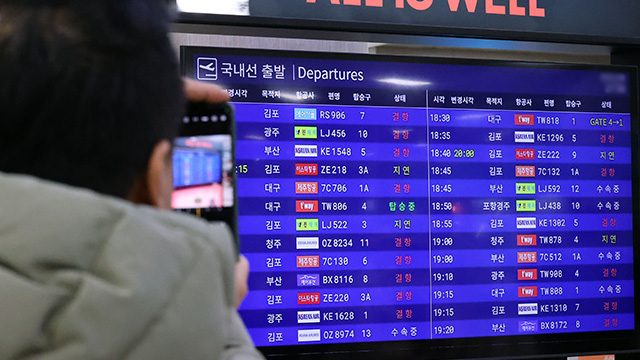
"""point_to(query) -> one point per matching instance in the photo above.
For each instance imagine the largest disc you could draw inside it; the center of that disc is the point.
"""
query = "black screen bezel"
(501, 347)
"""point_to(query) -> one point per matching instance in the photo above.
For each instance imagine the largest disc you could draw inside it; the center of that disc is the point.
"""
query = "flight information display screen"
(196, 168)
(391, 199)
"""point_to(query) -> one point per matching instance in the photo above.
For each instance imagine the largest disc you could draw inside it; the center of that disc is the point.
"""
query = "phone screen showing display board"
(203, 165)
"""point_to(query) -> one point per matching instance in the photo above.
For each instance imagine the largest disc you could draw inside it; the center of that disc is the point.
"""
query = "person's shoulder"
(88, 222)
(140, 272)
(198, 232)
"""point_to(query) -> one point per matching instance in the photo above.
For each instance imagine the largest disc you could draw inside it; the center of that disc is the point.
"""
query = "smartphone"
(204, 176)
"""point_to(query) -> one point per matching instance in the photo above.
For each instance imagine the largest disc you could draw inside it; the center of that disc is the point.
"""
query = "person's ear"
(159, 177)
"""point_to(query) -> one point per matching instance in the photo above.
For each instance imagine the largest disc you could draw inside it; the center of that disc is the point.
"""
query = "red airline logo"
(525, 120)
(526, 171)
(527, 274)
(307, 206)
(528, 291)
(525, 154)
(306, 187)
(527, 257)
(527, 240)
(307, 169)
(308, 261)
(308, 298)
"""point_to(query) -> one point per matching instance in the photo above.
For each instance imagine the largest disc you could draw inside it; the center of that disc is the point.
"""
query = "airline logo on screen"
(525, 188)
(513, 8)
(527, 291)
(308, 317)
(305, 114)
(526, 223)
(525, 154)
(306, 150)
(528, 309)
(527, 274)
(306, 132)
(308, 335)
(307, 225)
(528, 326)
(306, 187)
(527, 257)
(309, 298)
(527, 120)
(527, 240)
(525, 171)
(525, 137)
(307, 243)
(525, 205)
(307, 169)
(307, 206)
(308, 261)
(308, 280)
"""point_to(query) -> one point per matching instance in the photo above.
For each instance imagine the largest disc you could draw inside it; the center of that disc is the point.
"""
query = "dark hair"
(87, 89)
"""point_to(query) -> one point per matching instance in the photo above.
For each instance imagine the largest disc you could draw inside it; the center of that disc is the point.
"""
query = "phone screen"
(203, 165)
(202, 172)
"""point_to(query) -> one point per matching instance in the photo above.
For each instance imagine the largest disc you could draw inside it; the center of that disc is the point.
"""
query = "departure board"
(196, 168)
(393, 199)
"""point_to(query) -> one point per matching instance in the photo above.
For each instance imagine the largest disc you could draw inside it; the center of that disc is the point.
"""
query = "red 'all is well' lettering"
(490, 6)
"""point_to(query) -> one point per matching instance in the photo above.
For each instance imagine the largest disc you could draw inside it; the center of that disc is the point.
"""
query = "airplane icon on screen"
(210, 67)
(207, 68)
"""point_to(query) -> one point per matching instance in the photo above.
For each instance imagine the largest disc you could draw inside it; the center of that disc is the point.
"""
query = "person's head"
(90, 95)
